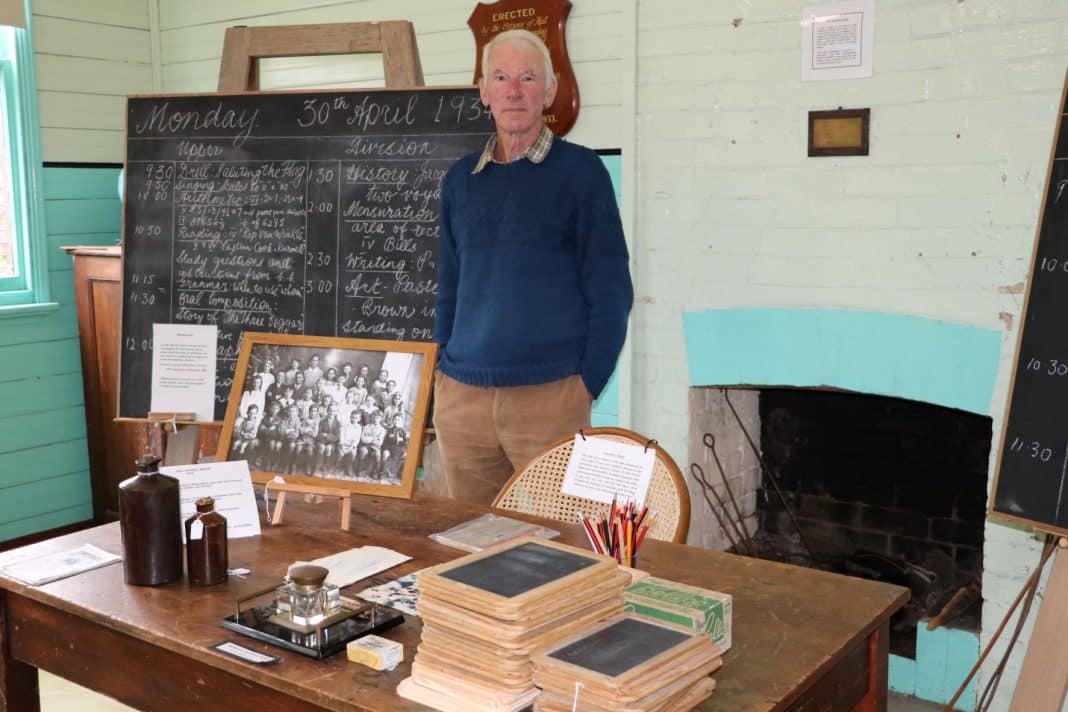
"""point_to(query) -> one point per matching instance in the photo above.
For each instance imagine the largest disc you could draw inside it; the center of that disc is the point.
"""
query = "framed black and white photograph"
(329, 411)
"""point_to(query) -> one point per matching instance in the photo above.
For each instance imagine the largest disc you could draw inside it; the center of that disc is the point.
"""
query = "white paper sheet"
(603, 470)
(348, 567)
(231, 486)
(183, 369)
(837, 40)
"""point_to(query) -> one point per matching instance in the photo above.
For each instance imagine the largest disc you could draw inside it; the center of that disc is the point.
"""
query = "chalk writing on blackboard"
(287, 213)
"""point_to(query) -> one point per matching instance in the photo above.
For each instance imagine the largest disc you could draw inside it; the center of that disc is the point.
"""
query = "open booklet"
(490, 529)
(38, 570)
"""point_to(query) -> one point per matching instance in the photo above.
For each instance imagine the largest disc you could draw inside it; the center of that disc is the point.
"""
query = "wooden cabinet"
(113, 446)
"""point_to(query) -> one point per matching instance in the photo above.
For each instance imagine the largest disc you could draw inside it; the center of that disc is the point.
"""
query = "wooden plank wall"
(90, 55)
(191, 33)
(44, 461)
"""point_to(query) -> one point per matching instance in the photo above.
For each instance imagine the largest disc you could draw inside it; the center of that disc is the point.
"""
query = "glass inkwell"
(305, 601)
(308, 615)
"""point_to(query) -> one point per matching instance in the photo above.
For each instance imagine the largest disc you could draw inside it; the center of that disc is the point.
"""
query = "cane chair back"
(535, 488)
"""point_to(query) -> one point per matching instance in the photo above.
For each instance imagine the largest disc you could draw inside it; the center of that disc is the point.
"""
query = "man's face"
(514, 88)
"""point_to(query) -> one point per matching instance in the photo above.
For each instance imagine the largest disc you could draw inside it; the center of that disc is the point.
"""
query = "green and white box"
(689, 606)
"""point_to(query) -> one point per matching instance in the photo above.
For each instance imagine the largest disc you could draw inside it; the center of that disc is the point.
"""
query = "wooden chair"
(535, 488)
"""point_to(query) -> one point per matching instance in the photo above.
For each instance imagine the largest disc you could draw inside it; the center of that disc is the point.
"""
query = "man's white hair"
(516, 37)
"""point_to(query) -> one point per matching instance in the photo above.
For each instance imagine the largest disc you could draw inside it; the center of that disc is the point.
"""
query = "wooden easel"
(243, 47)
(309, 491)
(1043, 682)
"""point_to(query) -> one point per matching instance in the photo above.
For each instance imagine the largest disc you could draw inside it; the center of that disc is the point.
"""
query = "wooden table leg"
(19, 691)
(879, 671)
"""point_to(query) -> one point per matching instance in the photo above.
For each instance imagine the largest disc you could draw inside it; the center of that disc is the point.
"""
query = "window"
(23, 260)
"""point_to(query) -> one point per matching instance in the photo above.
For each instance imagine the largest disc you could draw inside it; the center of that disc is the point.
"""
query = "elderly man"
(533, 281)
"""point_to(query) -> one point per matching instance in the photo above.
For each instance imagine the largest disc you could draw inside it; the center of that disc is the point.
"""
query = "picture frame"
(301, 407)
(840, 132)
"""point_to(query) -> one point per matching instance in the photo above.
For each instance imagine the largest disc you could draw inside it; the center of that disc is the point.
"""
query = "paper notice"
(229, 484)
(183, 369)
(837, 40)
(603, 470)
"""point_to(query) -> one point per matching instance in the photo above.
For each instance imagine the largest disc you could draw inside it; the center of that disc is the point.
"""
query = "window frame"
(30, 292)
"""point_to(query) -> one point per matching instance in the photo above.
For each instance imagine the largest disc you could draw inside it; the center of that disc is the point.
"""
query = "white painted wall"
(938, 221)
(90, 55)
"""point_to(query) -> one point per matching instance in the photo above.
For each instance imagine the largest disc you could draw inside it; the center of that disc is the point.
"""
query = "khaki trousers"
(485, 434)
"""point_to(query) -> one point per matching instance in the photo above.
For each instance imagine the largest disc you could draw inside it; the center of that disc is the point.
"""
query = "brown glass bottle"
(205, 545)
(151, 523)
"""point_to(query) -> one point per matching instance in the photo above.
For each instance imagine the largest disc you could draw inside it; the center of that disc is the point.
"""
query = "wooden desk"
(803, 639)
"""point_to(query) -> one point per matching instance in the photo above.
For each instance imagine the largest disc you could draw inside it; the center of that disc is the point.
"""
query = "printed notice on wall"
(837, 40)
(603, 470)
(183, 369)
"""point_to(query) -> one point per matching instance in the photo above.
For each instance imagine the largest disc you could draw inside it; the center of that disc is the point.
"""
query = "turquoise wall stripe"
(43, 522)
(44, 358)
(605, 410)
(902, 675)
(962, 650)
(869, 352)
(47, 461)
(80, 183)
(43, 393)
(44, 459)
(931, 650)
(78, 217)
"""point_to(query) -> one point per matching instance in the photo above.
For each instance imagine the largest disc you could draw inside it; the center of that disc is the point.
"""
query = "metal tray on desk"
(256, 622)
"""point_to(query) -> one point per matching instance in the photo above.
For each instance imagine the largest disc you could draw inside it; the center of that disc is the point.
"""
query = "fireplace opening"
(869, 486)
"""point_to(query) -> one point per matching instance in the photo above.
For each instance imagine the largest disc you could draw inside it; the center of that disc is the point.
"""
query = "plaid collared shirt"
(536, 153)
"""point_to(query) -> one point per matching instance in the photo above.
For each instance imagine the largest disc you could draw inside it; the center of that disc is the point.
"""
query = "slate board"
(1032, 475)
(519, 569)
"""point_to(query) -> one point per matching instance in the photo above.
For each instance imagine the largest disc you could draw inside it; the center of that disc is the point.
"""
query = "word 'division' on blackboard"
(294, 213)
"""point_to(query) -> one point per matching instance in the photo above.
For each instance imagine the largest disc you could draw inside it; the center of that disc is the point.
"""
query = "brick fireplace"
(871, 486)
(877, 426)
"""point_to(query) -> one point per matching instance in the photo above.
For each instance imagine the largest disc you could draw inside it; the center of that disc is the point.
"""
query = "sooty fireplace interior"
(876, 487)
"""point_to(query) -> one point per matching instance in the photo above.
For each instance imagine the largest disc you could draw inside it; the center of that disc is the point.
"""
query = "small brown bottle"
(205, 545)
(150, 520)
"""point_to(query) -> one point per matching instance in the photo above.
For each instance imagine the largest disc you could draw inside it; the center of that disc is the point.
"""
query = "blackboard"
(519, 569)
(1032, 476)
(293, 213)
(619, 647)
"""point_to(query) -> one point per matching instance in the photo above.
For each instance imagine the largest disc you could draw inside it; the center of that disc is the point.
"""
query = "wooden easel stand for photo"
(311, 492)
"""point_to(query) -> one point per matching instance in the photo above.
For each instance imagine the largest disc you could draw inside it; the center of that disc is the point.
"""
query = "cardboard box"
(689, 606)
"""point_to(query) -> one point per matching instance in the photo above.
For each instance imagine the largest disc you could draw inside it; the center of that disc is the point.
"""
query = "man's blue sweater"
(533, 278)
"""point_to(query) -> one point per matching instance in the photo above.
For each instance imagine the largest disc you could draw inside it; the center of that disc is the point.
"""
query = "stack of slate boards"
(627, 664)
(485, 614)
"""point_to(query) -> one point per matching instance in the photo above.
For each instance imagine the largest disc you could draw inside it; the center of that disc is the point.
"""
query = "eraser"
(375, 652)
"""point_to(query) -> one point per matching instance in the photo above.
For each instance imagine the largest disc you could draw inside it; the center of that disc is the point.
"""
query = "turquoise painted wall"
(44, 460)
(605, 409)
